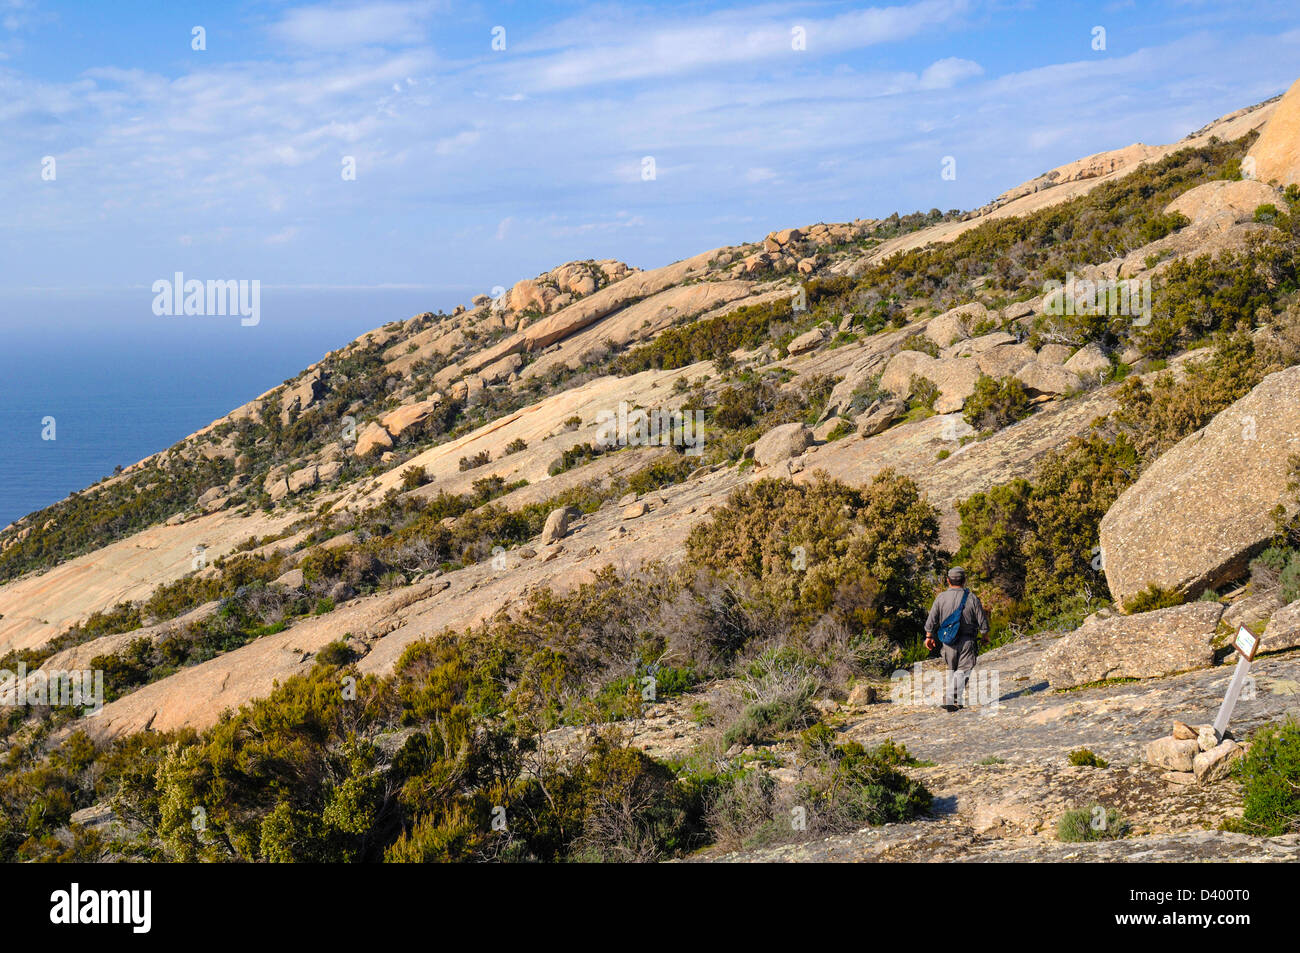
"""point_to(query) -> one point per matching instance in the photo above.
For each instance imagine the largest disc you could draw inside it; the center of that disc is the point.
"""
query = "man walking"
(956, 620)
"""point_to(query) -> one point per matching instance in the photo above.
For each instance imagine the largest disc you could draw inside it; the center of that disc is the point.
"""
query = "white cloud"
(456, 156)
(622, 49)
(338, 27)
(944, 73)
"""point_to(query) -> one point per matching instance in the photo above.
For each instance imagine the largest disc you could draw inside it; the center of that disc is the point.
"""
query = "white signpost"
(1247, 644)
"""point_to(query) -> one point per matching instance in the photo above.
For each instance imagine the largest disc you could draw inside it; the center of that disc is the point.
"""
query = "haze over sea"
(122, 384)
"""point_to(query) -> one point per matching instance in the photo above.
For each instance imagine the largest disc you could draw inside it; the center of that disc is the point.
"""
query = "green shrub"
(1207, 294)
(1082, 757)
(1092, 823)
(1289, 579)
(996, 403)
(863, 786)
(337, 654)
(479, 459)
(1153, 597)
(1030, 544)
(841, 429)
(413, 477)
(741, 808)
(919, 342)
(1270, 780)
(1158, 415)
(669, 469)
(923, 393)
(864, 556)
(764, 722)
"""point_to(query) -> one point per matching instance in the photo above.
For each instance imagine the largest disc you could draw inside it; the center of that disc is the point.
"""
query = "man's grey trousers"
(960, 659)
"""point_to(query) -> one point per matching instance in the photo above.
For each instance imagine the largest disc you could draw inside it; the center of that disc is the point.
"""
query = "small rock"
(1175, 754)
(1214, 764)
(341, 592)
(880, 416)
(628, 499)
(292, 579)
(1183, 731)
(635, 510)
(808, 341)
(862, 695)
(1206, 738)
(557, 524)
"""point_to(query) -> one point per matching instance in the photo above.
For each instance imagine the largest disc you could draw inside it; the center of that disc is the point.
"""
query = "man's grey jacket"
(973, 618)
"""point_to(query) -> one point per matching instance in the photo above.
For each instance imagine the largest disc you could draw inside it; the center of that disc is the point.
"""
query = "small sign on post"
(1247, 644)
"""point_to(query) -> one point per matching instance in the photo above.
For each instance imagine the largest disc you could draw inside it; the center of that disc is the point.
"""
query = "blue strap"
(953, 621)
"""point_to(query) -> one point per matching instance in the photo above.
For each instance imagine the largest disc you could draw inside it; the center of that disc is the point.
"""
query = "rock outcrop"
(1232, 201)
(955, 324)
(954, 377)
(1053, 379)
(782, 443)
(1198, 514)
(1275, 156)
(1283, 629)
(1147, 645)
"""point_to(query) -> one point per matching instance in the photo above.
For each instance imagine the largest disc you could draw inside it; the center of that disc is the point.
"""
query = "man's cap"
(956, 574)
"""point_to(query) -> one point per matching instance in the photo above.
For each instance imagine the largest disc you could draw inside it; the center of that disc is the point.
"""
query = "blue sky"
(477, 167)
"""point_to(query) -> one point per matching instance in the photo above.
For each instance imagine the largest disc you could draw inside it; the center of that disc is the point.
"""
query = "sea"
(91, 381)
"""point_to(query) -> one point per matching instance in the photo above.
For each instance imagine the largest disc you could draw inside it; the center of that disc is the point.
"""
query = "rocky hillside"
(736, 475)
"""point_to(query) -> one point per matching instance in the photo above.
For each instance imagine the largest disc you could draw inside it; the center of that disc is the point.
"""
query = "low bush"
(996, 403)
(1092, 823)
(1270, 781)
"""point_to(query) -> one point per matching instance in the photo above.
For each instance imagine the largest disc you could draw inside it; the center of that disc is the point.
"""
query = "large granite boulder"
(1283, 629)
(302, 395)
(897, 376)
(396, 422)
(956, 324)
(1053, 354)
(955, 377)
(782, 443)
(808, 341)
(1040, 378)
(1147, 645)
(303, 478)
(1196, 516)
(1089, 362)
(1235, 201)
(557, 525)
(880, 416)
(1005, 360)
(371, 439)
(973, 346)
